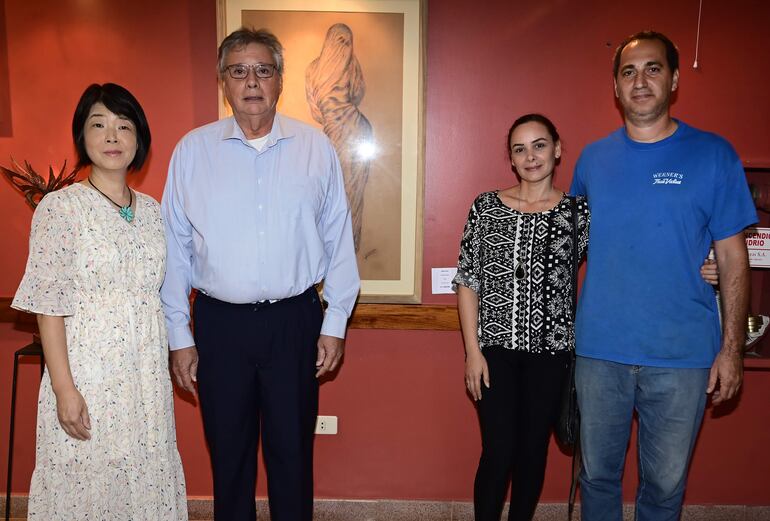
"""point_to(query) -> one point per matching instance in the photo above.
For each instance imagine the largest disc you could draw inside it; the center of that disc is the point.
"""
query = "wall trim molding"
(433, 317)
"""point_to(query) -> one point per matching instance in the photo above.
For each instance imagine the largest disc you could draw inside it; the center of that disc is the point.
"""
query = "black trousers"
(516, 414)
(256, 372)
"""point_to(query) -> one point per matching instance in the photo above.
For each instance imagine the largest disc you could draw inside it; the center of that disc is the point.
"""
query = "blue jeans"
(669, 403)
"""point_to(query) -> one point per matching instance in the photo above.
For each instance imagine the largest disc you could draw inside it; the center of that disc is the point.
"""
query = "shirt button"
(260, 207)
(259, 181)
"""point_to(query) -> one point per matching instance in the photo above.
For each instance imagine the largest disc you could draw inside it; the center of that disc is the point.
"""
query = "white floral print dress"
(103, 275)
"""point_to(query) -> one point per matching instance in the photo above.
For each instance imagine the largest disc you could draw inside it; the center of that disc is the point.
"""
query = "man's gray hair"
(243, 37)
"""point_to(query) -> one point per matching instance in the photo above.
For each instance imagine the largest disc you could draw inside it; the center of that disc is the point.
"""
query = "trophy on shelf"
(757, 328)
(758, 242)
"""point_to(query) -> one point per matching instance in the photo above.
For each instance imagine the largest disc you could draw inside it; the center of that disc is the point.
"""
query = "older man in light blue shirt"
(256, 216)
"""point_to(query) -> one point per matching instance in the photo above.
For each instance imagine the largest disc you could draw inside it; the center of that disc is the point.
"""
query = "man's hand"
(727, 371)
(184, 367)
(73, 414)
(330, 350)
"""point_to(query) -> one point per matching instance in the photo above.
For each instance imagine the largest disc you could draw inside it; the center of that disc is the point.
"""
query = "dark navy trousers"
(256, 373)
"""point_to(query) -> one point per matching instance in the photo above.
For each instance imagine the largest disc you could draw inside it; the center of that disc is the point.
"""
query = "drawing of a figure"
(334, 86)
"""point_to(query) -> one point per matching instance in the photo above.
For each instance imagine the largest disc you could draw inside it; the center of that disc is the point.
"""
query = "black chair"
(33, 349)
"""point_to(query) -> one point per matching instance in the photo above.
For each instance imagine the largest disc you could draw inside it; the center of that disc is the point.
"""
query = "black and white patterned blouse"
(520, 265)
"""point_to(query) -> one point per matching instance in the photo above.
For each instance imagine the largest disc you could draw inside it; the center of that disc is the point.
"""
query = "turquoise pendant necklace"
(124, 211)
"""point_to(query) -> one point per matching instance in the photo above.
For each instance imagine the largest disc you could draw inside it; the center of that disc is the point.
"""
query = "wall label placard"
(758, 243)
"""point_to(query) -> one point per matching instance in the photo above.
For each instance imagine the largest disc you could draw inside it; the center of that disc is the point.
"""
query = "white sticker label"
(441, 280)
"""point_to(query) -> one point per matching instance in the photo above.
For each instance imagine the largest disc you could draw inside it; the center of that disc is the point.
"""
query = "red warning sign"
(758, 243)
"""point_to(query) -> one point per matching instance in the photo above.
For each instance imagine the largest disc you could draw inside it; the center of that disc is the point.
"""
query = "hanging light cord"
(697, 36)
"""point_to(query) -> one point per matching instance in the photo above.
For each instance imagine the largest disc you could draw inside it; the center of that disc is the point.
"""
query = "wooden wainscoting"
(365, 316)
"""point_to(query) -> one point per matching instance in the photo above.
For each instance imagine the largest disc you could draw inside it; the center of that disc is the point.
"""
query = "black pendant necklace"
(125, 212)
(519, 272)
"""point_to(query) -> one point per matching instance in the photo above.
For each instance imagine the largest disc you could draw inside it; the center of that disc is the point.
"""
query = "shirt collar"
(279, 131)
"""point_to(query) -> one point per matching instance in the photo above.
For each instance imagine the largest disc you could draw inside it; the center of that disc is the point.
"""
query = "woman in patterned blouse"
(515, 301)
(514, 290)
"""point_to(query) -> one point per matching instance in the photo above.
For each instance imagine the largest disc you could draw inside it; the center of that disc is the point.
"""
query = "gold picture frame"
(386, 40)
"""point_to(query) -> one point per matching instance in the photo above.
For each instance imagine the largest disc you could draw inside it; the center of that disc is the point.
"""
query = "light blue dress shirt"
(245, 226)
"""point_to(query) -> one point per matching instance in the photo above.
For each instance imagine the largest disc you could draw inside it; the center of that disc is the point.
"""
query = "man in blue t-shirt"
(648, 334)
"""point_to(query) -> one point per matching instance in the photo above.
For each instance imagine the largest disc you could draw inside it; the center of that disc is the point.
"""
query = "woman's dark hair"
(529, 118)
(118, 101)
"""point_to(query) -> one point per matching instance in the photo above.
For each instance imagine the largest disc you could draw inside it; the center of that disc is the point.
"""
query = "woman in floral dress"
(106, 441)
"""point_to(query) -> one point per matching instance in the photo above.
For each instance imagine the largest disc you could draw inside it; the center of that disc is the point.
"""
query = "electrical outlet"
(326, 425)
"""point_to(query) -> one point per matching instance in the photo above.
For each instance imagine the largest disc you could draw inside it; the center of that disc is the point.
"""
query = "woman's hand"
(710, 272)
(476, 370)
(70, 405)
(73, 414)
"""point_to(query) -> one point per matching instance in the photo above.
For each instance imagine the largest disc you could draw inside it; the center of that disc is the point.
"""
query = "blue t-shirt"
(656, 208)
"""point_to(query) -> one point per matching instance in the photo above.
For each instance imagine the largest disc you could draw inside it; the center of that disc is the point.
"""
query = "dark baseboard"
(201, 509)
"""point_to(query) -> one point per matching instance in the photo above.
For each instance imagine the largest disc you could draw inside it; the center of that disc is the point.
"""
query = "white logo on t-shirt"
(667, 178)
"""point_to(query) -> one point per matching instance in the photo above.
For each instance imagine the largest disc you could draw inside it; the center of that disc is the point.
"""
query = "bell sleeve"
(468, 265)
(47, 286)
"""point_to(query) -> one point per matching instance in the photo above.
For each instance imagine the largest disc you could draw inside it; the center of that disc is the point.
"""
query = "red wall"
(407, 429)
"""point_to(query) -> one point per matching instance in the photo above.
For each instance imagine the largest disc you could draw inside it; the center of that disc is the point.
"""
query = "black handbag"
(568, 422)
(567, 428)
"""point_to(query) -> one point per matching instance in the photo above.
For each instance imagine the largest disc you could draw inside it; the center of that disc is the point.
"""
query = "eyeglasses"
(240, 71)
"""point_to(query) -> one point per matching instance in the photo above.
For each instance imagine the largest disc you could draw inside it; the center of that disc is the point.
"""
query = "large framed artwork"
(354, 69)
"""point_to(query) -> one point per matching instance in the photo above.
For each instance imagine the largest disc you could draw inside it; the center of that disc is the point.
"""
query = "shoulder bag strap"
(576, 454)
